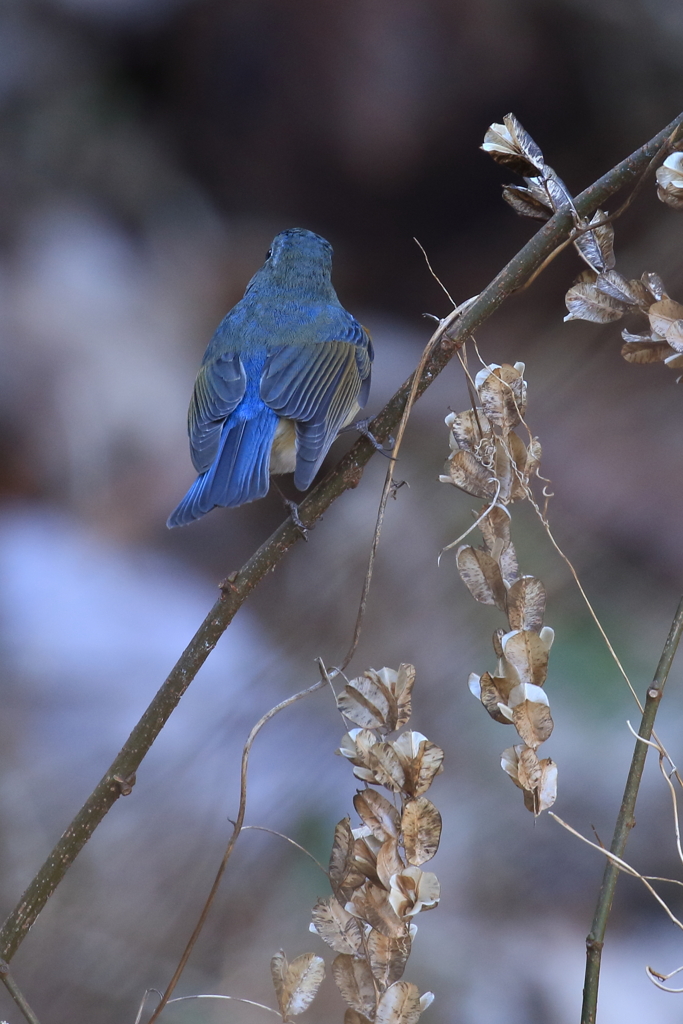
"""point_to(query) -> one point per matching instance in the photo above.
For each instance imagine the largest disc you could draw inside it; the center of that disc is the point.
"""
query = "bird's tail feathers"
(239, 473)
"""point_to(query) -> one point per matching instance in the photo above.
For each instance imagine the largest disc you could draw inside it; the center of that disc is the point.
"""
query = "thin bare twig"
(389, 480)
(346, 474)
(281, 835)
(621, 865)
(235, 999)
(237, 828)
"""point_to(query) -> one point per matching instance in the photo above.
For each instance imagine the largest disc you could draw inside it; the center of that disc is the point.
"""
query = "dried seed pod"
(353, 978)
(296, 984)
(387, 957)
(414, 890)
(421, 828)
(597, 247)
(400, 1004)
(336, 926)
(670, 181)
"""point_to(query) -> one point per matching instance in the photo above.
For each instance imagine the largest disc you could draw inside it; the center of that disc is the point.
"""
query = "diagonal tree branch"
(454, 330)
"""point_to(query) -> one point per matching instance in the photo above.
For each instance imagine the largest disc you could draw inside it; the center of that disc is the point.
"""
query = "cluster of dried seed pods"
(608, 296)
(375, 870)
(545, 193)
(600, 294)
(489, 460)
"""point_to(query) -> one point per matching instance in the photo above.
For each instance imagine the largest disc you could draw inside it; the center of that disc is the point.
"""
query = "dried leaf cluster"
(545, 193)
(608, 296)
(375, 870)
(600, 294)
(490, 461)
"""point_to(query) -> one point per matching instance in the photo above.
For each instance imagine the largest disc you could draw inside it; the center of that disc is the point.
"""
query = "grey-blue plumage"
(286, 370)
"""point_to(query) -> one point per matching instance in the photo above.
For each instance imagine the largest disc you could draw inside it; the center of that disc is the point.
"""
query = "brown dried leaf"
(537, 778)
(496, 640)
(527, 203)
(586, 302)
(493, 691)
(468, 429)
(369, 703)
(385, 766)
(380, 816)
(464, 472)
(296, 984)
(405, 680)
(365, 850)
(400, 1004)
(528, 768)
(509, 762)
(546, 793)
(495, 530)
(388, 957)
(414, 890)
(597, 247)
(371, 903)
(531, 714)
(421, 826)
(527, 654)
(336, 926)
(389, 862)
(278, 972)
(353, 978)
(641, 348)
(632, 293)
(421, 761)
(516, 481)
(675, 335)
(502, 390)
(526, 604)
(343, 873)
(481, 575)
(670, 181)
(654, 285)
(671, 196)
(559, 194)
(510, 145)
(373, 760)
(665, 318)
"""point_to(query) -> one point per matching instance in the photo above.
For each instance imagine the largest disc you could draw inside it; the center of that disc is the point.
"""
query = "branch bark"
(346, 474)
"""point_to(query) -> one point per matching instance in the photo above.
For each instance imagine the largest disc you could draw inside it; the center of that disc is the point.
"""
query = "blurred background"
(149, 151)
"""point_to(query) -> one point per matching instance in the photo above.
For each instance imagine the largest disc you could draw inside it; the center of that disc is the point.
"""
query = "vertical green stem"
(625, 822)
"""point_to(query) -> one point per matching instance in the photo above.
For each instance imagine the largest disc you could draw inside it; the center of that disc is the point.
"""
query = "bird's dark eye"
(269, 254)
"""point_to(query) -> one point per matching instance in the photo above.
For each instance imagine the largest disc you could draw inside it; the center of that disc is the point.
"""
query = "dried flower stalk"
(490, 461)
(378, 885)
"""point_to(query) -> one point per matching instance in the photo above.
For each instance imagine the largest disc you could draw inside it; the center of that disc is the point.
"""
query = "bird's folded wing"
(318, 385)
(218, 390)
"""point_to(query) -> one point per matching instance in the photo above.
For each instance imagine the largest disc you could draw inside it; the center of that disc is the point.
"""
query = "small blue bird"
(286, 370)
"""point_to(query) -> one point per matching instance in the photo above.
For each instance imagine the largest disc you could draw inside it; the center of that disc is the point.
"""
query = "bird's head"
(299, 261)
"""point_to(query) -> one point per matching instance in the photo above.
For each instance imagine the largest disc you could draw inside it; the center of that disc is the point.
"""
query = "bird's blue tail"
(238, 474)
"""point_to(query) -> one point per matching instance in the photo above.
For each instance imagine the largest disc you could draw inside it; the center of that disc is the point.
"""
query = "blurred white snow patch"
(90, 629)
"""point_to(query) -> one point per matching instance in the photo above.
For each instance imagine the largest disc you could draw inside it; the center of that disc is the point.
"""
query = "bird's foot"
(362, 426)
(296, 518)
